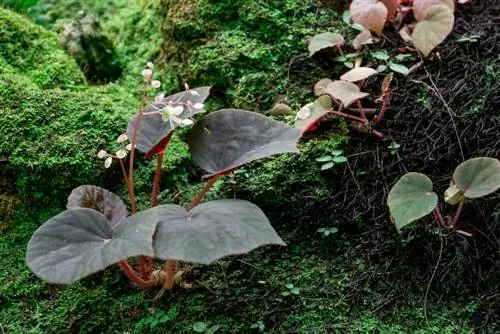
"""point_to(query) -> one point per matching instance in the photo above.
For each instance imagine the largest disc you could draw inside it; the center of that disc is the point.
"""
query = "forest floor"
(365, 278)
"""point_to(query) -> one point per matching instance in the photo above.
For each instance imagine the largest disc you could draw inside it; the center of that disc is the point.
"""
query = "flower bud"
(107, 162)
(102, 154)
(121, 154)
(147, 73)
(155, 84)
(122, 138)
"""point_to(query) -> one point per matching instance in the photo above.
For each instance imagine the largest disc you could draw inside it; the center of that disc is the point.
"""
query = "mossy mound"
(29, 49)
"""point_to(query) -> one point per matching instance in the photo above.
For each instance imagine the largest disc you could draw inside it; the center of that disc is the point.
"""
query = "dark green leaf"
(229, 138)
(209, 231)
(79, 242)
(152, 130)
(324, 158)
(99, 199)
(339, 159)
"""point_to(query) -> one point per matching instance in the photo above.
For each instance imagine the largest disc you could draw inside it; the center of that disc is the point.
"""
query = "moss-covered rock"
(29, 49)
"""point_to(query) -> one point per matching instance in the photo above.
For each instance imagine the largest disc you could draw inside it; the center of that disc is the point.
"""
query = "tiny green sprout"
(290, 290)
(412, 198)
(393, 147)
(468, 39)
(204, 327)
(258, 325)
(326, 231)
(329, 161)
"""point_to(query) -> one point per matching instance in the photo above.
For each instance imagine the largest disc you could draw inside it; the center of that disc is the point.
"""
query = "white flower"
(121, 154)
(198, 106)
(122, 138)
(159, 97)
(186, 86)
(304, 112)
(108, 162)
(155, 84)
(150, 65)
(129, 147)
(102, 154)
(147, 73)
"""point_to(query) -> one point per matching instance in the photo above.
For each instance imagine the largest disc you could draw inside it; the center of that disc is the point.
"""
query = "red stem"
(203, 191)
(457, 214)
(124, 173)
(361, 111)
(439, 218)
(132, 150)
(385, 103)
(354, 118)
(135, 278)
(156, 182)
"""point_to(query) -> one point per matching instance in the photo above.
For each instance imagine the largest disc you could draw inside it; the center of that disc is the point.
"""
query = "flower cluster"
(120, 154)
(304, 112)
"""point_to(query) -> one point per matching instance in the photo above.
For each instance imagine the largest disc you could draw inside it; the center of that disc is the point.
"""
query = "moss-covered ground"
(365, 278)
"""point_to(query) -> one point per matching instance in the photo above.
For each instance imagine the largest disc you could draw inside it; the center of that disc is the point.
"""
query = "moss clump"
(29, 49)
(251, 51)
(50, 137)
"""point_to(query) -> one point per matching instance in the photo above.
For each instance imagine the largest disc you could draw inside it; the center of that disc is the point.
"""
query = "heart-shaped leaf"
(79, 242)
(430, 32)
(99, 199)
(319, 88)
(153, 132)
(420, 7)
(369, 13)
(323, 41)
(345, 91)
(411, 198)
(318, 109)
(209, 231)
(228, 138)
(478, 177)
(358, 74)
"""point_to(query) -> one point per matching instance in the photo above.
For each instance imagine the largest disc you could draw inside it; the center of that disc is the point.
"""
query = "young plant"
(96, 231)
(346, 91)
(412, 198)
(329, 161)
(434, 19)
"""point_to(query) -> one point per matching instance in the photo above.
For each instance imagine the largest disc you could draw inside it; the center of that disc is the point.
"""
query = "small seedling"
(393, 147)
(258, 325)
(326, 231)
(468, 39)
(204, 327)
(412, 198)
(329, 161)
(158, 318)
(434, 19)
(291, 290)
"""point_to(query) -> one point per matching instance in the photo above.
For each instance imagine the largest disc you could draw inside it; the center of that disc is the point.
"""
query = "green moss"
(51, 137)
(36, 52)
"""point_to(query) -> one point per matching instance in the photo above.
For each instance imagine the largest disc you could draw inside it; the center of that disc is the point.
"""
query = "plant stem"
(385, 103)
(354, 118)
(457, 214)
(124, 172)
(132, 151)
(439, 218)
(156, 182)
(202, 193)
(135, 278)
(361, 111)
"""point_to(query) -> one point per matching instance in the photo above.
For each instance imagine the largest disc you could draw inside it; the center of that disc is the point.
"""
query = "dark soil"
(444, 113)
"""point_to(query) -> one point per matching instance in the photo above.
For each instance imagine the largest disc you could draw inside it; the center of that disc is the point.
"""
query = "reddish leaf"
(369, 13)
